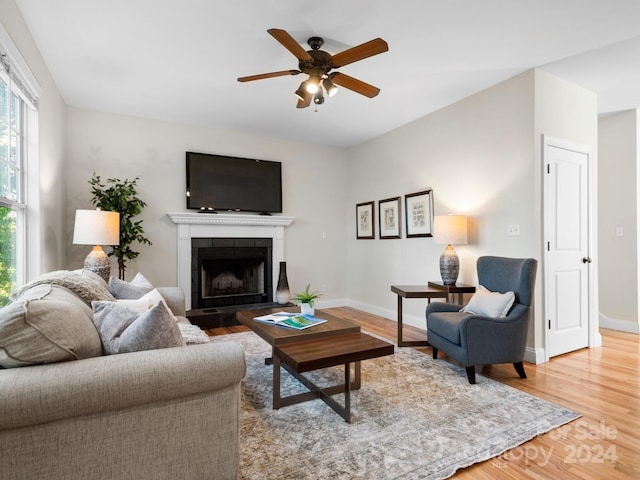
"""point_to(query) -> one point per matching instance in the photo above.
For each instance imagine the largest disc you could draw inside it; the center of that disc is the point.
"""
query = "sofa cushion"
(136, 288)
(489, 304)
(47, 324)
(123, 329)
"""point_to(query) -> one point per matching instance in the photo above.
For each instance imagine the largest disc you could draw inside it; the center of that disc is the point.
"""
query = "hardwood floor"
(602, 384)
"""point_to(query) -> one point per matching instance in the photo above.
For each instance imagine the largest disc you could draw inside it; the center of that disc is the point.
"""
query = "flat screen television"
(222, 183)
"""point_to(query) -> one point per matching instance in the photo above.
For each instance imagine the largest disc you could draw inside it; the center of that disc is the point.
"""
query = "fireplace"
(231, 271)
(201, 230)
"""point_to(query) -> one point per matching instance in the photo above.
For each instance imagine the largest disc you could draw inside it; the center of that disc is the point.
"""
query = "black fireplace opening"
(233, 281)
(227, 272)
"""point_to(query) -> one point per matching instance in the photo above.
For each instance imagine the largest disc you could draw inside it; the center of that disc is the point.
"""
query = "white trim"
(19, 64)
(619, 325)
(210, 225)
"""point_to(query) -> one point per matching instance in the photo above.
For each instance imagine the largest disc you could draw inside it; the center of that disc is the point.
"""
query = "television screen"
(222, 183)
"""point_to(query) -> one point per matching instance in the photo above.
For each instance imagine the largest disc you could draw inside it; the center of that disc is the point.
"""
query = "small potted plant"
(306, 300)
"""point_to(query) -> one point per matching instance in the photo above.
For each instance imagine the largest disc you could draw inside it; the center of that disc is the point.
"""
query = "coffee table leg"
(346, 413)
(357, 382)
(276, 381)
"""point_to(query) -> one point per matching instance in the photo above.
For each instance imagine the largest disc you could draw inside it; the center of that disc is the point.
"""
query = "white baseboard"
(414, 321)
(620, 325)
(535, 355)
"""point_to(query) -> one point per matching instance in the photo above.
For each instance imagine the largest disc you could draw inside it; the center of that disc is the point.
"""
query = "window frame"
(20, 82)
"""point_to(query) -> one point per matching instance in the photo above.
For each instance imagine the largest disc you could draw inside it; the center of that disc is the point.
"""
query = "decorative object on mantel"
(306, 300)
(450, 230)
(97, 227)
(121, 196)
(283, 294)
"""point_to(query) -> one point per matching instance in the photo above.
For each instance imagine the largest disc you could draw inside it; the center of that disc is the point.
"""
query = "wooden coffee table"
(336, 342)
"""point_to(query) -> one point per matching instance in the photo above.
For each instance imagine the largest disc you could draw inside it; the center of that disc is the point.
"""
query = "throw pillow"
(489, 304)
(123, 329)
(130, 290)
(84, 283)
(47, 324)
(145, 302)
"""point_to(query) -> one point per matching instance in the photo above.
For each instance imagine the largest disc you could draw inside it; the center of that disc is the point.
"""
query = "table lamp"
(449, 230)
(97, 227)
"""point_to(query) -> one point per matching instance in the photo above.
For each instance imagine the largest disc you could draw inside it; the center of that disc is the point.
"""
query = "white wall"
(482, 158)
(618, 207)
(52, 148)
(477, 156)
(314, 186)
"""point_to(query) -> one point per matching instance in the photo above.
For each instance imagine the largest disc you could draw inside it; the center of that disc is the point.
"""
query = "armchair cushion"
(489, 304)
(447, 325)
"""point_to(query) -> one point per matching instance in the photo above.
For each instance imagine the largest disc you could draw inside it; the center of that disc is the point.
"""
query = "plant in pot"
(305, 300)
(121, 196)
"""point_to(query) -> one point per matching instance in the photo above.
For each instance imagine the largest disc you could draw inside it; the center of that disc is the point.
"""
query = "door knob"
(586, 260)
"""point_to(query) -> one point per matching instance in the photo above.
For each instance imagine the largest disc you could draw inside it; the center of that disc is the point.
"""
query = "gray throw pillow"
(47, 324)
(122, 329)
(132, 290)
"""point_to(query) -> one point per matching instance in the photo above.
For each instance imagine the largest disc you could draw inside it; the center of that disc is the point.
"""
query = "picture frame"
(418, 209)
(389, 218)
(365, 221)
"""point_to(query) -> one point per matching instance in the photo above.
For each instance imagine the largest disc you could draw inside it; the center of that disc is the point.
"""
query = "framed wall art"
(418, 209)
(365, 221)
(389, 218)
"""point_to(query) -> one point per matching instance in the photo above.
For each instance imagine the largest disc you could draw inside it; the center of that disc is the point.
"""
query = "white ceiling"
(178, 60)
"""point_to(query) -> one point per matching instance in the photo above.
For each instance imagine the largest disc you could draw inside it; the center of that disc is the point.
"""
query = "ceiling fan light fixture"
(318, 98)
(300, 92)
(330, 87)
(313, 85)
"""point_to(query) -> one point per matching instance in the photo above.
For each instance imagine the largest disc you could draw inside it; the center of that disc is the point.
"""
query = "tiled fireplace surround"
(206, 225)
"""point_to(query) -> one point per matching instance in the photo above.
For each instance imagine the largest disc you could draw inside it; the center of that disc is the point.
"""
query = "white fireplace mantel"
(223, 225)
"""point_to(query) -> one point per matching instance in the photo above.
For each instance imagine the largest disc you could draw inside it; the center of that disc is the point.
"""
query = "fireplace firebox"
(227, 272)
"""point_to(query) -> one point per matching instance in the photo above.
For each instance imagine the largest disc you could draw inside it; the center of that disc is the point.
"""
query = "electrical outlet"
(619, 231)
(513, 230)
(324, 288)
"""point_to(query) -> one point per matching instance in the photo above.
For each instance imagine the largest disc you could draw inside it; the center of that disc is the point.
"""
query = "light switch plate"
(513, 230)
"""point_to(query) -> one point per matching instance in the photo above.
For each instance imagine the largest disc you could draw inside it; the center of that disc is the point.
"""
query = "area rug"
(413, 418)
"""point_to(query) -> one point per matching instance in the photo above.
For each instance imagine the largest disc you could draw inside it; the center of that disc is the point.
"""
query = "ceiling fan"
(317, 64)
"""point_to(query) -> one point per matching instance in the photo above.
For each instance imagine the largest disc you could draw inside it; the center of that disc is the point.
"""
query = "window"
(18, 114)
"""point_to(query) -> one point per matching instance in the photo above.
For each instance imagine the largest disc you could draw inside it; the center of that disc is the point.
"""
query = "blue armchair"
(473, 339)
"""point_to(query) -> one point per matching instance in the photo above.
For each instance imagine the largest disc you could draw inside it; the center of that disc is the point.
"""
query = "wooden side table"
(414, 291)
(459, 288)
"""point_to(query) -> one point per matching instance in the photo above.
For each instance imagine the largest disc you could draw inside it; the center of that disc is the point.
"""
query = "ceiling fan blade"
(289, 43)
(365, 50)
(281, 73)
(354, 84)
(306, 102)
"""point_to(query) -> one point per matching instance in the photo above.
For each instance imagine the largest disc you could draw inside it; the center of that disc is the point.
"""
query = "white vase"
(306, 309)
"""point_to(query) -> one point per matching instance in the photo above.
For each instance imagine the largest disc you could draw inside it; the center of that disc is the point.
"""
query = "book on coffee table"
(291, 320)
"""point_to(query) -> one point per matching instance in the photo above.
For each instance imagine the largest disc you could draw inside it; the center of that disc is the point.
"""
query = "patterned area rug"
(413, 418)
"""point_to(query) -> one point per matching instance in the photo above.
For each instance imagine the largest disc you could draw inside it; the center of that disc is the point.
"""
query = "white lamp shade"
(450, 229)
(96, 227)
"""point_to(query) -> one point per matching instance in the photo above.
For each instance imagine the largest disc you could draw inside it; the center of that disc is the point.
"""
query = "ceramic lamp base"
(98, 262)
(449, 266)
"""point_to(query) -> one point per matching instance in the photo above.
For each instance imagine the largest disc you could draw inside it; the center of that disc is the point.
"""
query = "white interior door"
(567, 255)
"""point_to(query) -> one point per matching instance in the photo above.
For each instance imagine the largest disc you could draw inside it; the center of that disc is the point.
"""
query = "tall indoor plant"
(121, 196)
